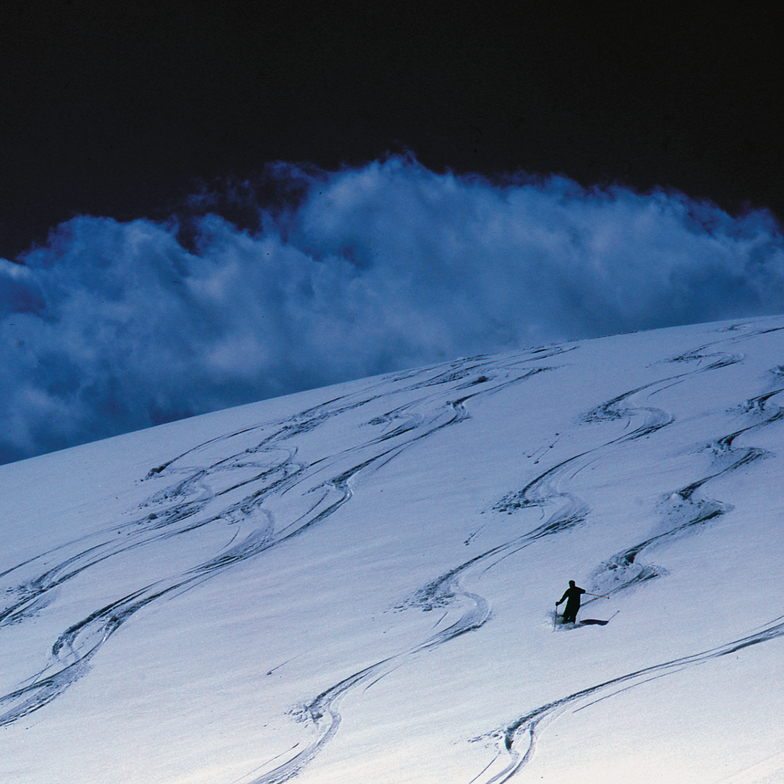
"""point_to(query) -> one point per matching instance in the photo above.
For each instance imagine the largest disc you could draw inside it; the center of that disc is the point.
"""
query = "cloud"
(113, 326)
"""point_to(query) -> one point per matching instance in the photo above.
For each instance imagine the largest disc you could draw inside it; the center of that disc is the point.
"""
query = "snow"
(357, 583)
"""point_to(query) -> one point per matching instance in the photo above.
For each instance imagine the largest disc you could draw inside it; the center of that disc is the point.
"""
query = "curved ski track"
(224, 490)
(685, 510)
(543, 491)
(230, 484)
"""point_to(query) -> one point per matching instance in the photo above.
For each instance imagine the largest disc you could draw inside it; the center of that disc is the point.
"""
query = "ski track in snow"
(517, 740)
(226, 489)
(686, 510)
(224, 486)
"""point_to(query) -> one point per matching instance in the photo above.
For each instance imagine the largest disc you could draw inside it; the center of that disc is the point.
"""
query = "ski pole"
(597, 595)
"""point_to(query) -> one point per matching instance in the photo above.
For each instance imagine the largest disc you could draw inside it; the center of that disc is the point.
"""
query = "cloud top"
(113, 326)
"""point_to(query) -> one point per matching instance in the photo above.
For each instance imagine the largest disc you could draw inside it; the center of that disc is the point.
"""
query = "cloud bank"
(115, 326)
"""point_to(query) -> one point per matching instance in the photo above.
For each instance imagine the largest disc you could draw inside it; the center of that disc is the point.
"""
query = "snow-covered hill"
(358, 583)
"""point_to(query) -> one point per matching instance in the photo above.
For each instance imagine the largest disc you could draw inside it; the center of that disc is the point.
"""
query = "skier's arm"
(563, 598)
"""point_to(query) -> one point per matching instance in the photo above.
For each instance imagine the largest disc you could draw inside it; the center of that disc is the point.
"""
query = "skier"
(572, 597)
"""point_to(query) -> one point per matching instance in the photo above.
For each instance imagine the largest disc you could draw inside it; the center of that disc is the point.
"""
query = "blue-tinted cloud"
(116, 326)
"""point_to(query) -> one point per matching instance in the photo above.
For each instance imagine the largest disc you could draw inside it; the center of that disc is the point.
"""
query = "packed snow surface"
(357, 584)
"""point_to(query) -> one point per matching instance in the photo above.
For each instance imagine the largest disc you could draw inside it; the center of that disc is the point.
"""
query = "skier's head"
(571, 583)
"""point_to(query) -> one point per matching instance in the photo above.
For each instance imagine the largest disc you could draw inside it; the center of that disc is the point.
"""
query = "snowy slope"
(357, 583)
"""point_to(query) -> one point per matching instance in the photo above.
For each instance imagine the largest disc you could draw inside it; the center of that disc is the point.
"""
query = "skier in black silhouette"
(572, 597)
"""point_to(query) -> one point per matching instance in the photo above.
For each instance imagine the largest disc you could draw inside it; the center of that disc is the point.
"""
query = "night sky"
(118, 108)
(203, 205)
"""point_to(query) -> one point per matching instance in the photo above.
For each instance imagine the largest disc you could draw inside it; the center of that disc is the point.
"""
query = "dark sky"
(176, 111)
(119, 108)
